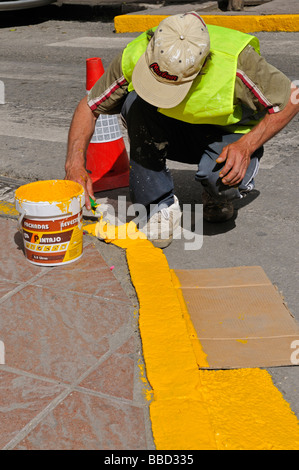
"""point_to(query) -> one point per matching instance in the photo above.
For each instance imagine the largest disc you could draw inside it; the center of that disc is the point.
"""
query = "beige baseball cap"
(175, 55)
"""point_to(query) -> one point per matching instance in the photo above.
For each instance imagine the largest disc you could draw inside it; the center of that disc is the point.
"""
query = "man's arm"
(80, 133)
(237, 155)
(100, 100)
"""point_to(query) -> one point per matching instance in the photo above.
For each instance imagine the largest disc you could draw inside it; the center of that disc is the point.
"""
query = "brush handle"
(94, 205)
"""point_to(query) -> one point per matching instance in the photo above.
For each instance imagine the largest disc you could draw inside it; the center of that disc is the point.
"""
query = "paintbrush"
(95, 207)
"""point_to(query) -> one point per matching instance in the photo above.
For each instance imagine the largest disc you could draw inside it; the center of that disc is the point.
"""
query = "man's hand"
(80, 133)
(80, 175)
(237, 155)
(237, 158)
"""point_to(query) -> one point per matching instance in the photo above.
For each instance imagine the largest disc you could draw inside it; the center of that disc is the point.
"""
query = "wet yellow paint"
(7, 209)
(201, 357)
(195, 409)
(119, 235)
(61, 193)
(148, 393)
(49, 191)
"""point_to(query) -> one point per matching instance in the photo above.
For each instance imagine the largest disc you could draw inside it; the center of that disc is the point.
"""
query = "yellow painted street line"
(7, 209)
(245, 23)
(193, 409)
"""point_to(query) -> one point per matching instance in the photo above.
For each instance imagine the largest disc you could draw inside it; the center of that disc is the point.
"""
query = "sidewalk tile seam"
(125, 401)
(114, 345)
(105, 426)
(31, 282)
(110, 340)
(30, 375)
(69, 389)
(84, 294)
(36, 420)
(4, 279)
(114, 341)
(75, 384)
(80, 388)
(42, 415)
(21, 286)
(8, 286)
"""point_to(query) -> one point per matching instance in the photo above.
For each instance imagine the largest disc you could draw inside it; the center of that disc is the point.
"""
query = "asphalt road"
(42, 67)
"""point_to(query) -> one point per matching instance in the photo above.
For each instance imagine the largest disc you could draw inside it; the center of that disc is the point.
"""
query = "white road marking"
(94, 42)
(44, 77)
(9, 128)
(44, 132)
(31, 71)
(7, 194)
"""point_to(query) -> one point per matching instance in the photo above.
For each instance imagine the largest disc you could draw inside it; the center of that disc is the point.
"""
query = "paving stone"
(57, 334)
(86, 422)
(115, 376)
(14, 266)
(21, 400)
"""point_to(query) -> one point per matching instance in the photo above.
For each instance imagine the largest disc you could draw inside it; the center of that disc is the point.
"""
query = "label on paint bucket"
(53, 241)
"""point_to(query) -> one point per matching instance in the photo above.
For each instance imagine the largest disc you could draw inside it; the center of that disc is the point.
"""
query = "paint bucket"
(51, 221)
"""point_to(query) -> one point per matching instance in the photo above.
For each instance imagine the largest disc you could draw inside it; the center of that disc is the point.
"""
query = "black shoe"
(215, 211)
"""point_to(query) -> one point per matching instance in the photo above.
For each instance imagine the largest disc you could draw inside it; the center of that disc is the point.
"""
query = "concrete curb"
(247, 24)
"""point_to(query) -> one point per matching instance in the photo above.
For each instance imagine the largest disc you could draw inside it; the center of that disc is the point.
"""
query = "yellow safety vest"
(211, 97)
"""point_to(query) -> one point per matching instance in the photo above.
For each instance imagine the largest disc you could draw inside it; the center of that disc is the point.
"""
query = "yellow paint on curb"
(245, 23)
(196, 409)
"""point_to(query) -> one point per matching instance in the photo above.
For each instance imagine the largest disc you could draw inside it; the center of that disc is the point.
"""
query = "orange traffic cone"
(106, 158)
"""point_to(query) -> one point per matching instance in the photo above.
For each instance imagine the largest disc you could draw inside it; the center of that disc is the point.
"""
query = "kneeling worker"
(193, 94)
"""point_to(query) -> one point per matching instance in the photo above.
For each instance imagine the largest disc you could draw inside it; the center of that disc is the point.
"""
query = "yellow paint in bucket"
(51, 221)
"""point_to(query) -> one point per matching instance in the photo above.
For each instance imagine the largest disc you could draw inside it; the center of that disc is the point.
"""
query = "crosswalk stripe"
(94, 42)
(9, 128)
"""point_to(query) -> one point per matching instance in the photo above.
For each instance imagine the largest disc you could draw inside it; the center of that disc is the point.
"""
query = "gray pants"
(155, 138)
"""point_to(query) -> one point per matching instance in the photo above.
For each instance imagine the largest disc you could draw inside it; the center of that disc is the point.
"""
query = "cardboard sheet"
(239, 317)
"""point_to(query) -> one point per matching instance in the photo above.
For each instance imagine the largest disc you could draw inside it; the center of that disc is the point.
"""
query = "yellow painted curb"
(195, 409)
(247, 24)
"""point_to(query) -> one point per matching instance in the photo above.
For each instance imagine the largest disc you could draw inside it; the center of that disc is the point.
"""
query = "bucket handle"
(20, 220)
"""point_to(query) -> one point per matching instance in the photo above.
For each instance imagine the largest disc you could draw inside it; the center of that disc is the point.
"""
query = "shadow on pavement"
(55, 12)
(188, 192)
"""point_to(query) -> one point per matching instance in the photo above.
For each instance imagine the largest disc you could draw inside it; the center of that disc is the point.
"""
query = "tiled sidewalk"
(71, 378)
